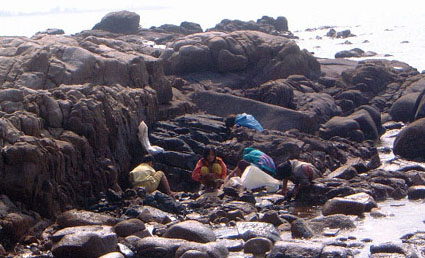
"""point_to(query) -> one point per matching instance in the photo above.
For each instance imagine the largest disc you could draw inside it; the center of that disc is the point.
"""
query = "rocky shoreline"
(71, 105)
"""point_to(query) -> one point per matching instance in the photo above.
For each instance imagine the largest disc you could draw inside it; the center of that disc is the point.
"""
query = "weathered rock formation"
(266, 24)
(70, 107)
(265, 57)
(124, 22)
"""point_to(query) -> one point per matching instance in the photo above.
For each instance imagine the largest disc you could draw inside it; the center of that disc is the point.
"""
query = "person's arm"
(284, 189)
(234, 172)
(196, 174)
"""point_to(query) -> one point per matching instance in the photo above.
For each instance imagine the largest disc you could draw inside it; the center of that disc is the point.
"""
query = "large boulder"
(51, 61)
(376, 116)
(358, 126)
(410, 142)
(277, 92)
(355, 204)
(356, 97)
(267, 57)
(185, 28)
(270, 116)
(419, 107)
(84, 241)
(403, 109)
(124, 22)
(14, 224)
(373, 74)
(322, 104)
(265, 24)
(345, 127)
(366, 123)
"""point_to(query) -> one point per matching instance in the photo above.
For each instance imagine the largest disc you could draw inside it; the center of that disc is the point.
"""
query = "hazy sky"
(29, 16)
(211, 7)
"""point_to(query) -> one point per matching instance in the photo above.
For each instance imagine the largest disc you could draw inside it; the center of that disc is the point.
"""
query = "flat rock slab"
(250, 230)
(226, 233)
(296, 250)
(355, 204)
(270, 116)
(169, 248)
(75, 218)
(245, 207)
(152, 214)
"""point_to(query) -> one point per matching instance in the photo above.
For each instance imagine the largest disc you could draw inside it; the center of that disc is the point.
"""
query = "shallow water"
(401, 216)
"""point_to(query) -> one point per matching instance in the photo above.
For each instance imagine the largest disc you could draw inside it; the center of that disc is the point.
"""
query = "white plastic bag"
(234, 182)
(253, 177)
(144, 140)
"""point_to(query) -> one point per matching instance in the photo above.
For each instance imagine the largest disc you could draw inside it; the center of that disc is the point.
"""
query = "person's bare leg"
(166, 185)
(210, 184)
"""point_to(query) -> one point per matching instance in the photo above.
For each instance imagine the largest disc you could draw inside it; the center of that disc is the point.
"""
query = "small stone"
(300, 229)
(232, 215)
(258, 245)
(128, 227)
(355, 245)
(272, 217)
(328, 232)
(377, 213)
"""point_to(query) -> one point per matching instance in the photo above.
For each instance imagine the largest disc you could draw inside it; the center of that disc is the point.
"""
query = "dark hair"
(230, 121)
(284, 170)
(207, 152)
(147, 158)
